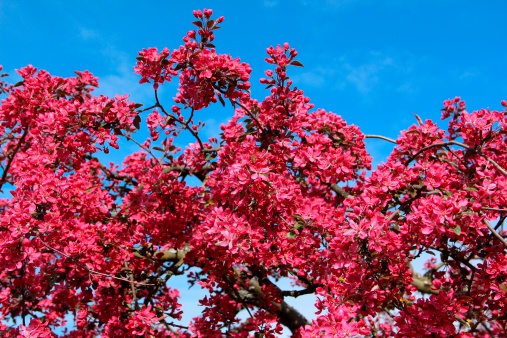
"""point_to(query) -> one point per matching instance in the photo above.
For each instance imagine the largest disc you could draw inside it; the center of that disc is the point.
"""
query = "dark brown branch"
(289, 316)
(496, 234)
(147, 150)
(494, 209)
(297, 293)
(11, 158)
(186, 123)
(249, 113)
(200, 174)
(112, 175)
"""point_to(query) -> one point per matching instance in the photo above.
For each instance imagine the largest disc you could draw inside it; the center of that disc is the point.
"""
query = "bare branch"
(297, 293)
(453, 142)
(494, 209)
(381, 137)
(248, 112)
(338, 190)
(497, 235)
(147, 150)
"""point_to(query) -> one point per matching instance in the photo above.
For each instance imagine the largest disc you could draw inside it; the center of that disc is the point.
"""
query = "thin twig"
(143, 148)
(248, 112)
(145, 109)
(381, 137)
(453, 142)
(241, 299)
(494, 209)
(178, 326)
(132, 285)
(497, 235)
(87, 268)
(297, 293)
(186, 123)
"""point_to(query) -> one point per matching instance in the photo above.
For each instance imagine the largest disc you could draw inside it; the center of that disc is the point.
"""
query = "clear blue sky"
(376, 63)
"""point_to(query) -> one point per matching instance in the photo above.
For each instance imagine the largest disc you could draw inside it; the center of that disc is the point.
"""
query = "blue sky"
(373, 62)
(376, 63)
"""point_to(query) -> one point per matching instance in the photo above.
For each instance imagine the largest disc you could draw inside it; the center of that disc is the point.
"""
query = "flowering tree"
(284, 194)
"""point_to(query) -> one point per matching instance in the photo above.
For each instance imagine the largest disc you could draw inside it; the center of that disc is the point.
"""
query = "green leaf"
(457, 230)
(299, 224)
(291, 234)
(159, 149)
(296, 63)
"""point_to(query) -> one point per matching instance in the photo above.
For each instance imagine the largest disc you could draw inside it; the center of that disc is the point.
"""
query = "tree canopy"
(286, 190)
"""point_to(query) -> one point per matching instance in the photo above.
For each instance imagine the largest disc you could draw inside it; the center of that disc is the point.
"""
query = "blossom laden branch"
(90, 270)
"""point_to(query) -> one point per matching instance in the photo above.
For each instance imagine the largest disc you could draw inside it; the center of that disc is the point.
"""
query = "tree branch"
(453, 142)
(338, 190)
(423, 284)
(11, 159)
(87, 268)
(289, 316)
(497, 235)
(381, 137)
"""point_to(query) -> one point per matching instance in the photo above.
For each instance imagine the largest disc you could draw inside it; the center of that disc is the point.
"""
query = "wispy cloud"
(366, 76)
(329, 4)
(88, 34)
(270, 3)
(363, 72)
(309, 78)
(468, 74)
(394, 69)
(120, 78)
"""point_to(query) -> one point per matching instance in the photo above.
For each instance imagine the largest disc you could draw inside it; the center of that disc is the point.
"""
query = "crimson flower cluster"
(286, 191)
